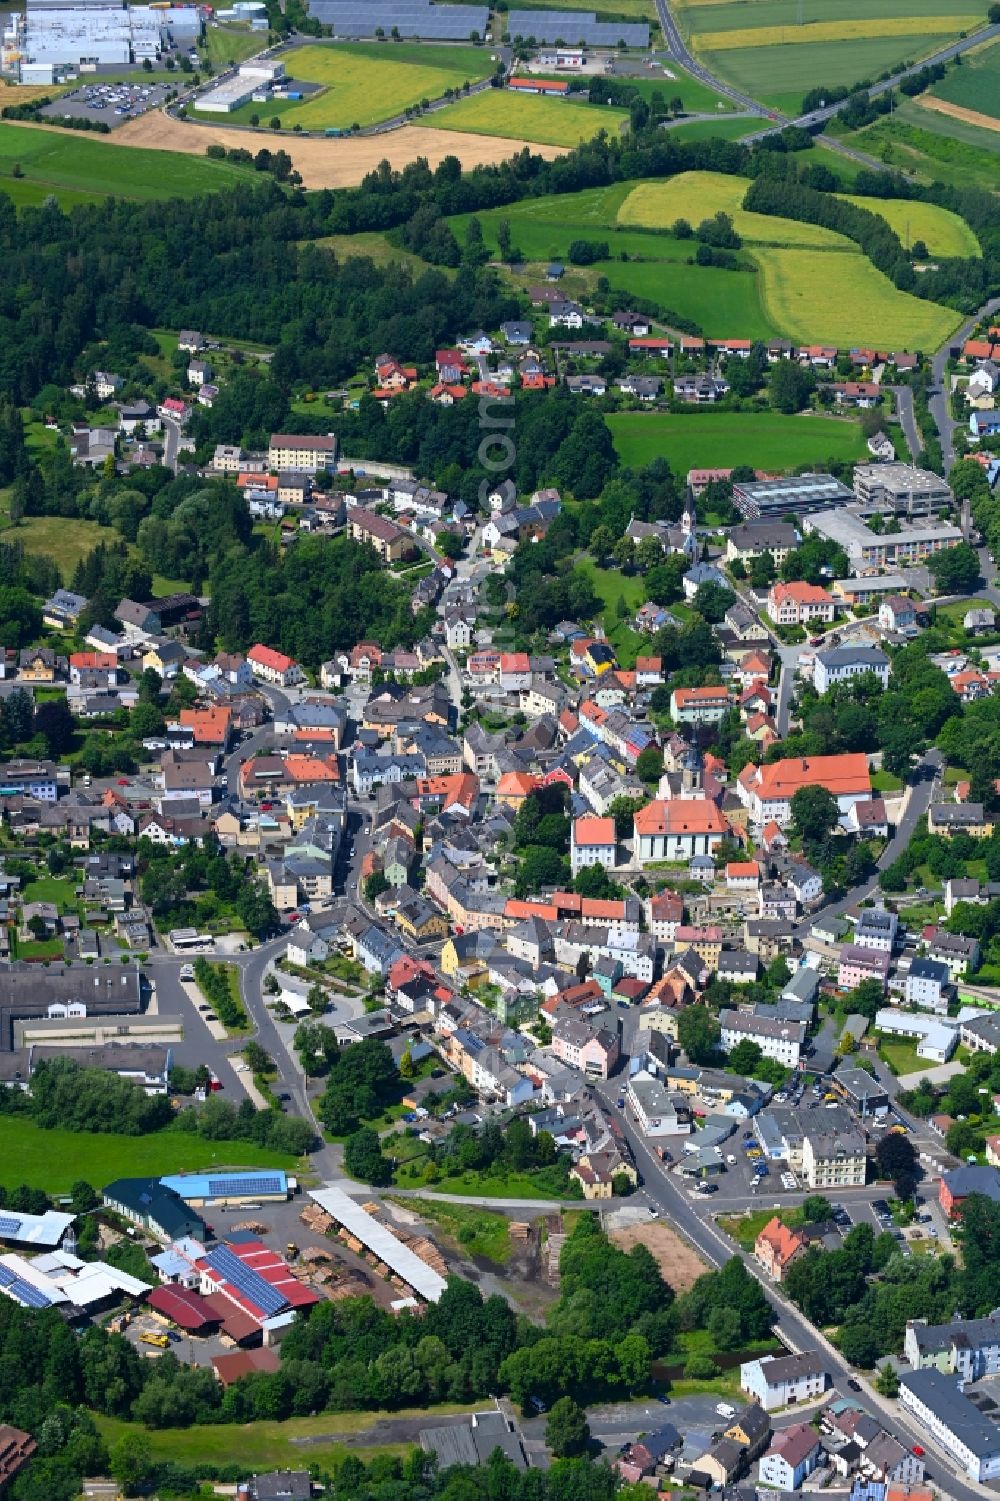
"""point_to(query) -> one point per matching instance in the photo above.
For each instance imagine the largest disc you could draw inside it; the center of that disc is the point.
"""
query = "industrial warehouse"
(51, 41)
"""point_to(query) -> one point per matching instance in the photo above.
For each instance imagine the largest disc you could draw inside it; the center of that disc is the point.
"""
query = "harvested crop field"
(679, 1264)
(329, 163)
(959, 112)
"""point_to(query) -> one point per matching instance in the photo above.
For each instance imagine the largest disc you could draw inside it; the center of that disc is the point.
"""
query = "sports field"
(78, 169)
(943, 232)
(724, 439)
(842, 299)
(365, 82)
(528, 117)
(976, 84)
(698, 195)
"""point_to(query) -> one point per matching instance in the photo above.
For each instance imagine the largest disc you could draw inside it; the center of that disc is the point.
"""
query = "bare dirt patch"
(679, 1265)
(959, 112)
(334, 163)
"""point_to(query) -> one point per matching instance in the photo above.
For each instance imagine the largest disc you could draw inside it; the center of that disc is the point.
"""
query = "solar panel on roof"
(7, 1276)
(247, 1281)
(29, 1294)
(9, 1224)
(262, 1184)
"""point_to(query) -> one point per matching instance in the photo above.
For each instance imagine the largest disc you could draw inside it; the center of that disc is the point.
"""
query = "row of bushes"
(213, 982)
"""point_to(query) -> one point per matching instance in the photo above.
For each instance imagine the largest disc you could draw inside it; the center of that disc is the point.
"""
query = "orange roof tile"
(588, 830)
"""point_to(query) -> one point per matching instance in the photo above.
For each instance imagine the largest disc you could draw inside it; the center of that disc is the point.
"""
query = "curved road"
(693, 1220)
(939, 403)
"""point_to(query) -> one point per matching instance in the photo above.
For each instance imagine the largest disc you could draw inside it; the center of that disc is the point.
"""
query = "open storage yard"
(363, 83)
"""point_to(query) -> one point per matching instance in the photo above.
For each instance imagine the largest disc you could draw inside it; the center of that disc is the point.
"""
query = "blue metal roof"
(222, 1185)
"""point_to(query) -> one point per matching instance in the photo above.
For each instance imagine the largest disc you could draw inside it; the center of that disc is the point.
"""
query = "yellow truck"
(159, 1340)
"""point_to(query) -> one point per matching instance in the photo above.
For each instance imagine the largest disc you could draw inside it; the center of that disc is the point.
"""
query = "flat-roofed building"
(902, 489)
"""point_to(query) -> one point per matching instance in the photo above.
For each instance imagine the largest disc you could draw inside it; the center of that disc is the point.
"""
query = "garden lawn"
(840, 299)
(612, 585)
(766, 440)
(54, 1160)
(884, 781)
(695, 196)
(363, 83)
(943, 232)
(745, 1228)
(266, 1445)
(900, 1053)
(528, 117)
(73, 168)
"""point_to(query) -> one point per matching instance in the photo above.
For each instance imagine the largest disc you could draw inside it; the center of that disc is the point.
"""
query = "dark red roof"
(239, 1363)
(188, 1309)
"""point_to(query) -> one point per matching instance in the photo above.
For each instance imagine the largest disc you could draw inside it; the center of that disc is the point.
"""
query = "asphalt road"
(693, 1220)
(939, 402)
(678, 49)
(907, 421)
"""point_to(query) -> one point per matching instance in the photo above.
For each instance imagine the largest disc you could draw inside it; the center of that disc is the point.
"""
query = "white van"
(725, 1410)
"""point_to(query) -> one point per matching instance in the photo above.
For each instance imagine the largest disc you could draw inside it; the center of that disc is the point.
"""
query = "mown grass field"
(232, 43)
(726, 128)
(292, 1444)
(62, 538)
(725, 439)
(364, 83)
(695, 196)
(528, 117)
(814, 284)
(843, 298)
(54, 1160)
(976, 84)
(779, 76)
(943, 232)
(722, 303)
(80, 169)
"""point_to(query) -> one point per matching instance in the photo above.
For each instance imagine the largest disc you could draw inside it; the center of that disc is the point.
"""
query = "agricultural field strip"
(556, 122)
(832, 31)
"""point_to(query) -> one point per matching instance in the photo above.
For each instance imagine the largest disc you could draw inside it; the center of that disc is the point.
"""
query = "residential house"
(799, 604)
(794, 1454)
(782, 1380)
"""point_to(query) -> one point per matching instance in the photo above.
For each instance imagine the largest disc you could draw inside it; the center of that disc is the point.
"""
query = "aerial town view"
(500, 750)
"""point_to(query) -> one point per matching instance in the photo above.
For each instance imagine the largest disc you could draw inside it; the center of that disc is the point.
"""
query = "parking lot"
(110, 104)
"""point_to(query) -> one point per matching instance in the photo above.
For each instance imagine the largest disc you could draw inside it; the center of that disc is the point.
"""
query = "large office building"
(773, 499)
(868, 550)
(53, 40)
(952, 1422)
(901, 489)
